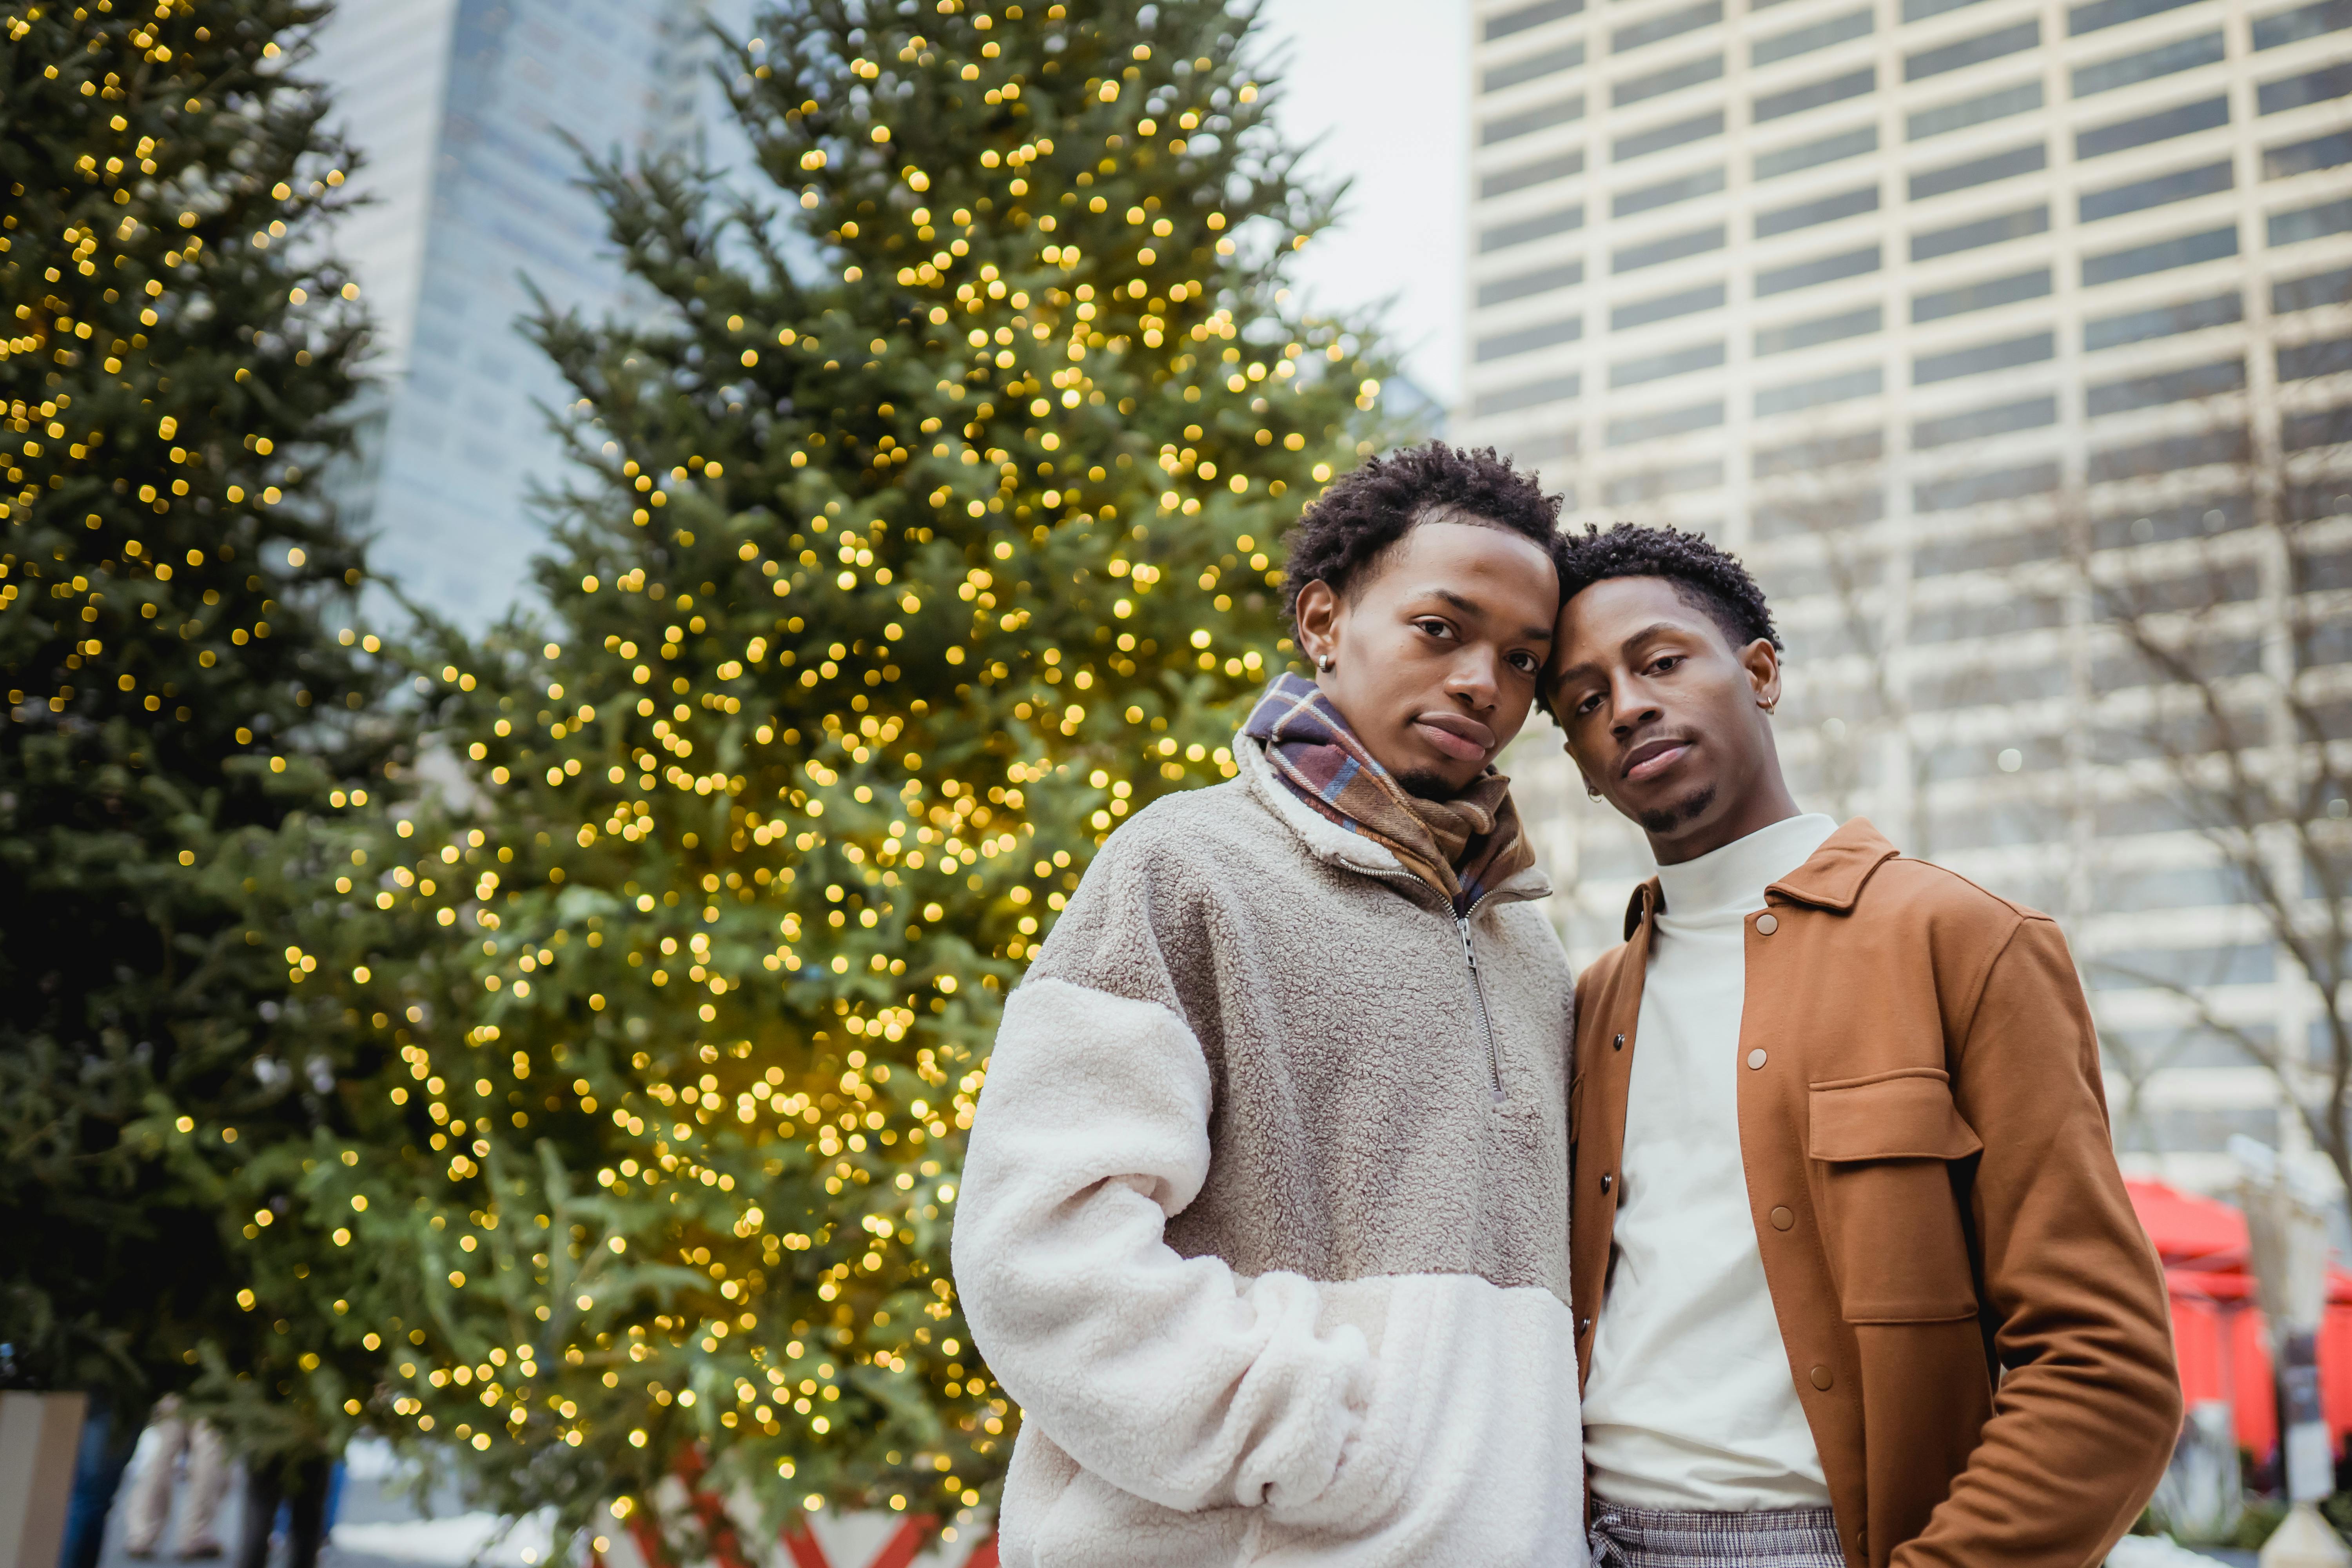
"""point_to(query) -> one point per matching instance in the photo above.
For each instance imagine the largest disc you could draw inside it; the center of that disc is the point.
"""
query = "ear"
(1762, 662)
(1319, 614)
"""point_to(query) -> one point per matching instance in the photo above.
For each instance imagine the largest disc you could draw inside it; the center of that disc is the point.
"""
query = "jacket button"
(1756, 1058)
(1619, 1044)
(1766, 925)
(1604, 1180)
(1822, 1378)
(1782, 1220)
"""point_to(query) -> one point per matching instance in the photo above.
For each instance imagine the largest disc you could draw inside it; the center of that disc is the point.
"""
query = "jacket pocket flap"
(1908, 1116)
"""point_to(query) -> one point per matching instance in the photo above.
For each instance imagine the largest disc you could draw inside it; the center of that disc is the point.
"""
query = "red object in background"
(2218, 1332)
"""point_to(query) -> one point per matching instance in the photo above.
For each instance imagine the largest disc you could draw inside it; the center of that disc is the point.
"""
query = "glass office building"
(1942, 313)
(460, 110)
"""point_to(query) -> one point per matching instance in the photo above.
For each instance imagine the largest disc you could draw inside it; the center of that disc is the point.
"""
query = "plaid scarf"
(1463, 847)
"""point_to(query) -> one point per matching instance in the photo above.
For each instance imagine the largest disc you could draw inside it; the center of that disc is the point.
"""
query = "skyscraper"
(1921, 305)
(460, 110)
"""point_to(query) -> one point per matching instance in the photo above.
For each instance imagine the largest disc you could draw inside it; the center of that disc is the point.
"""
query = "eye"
(1665, 662)
(1434, 626)
(1589, 704)
(1525, 663)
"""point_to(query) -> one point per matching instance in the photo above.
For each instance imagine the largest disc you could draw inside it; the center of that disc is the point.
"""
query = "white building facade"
(460, 111)
(1918, 306)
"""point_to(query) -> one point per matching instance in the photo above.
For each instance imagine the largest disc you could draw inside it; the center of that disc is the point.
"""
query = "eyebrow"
(1627, 646)
(1470, 606)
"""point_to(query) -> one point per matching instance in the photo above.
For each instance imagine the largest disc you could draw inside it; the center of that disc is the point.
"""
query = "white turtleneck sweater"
(1691, 1403)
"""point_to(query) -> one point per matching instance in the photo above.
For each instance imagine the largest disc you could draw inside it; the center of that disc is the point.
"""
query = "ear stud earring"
(1327, 663)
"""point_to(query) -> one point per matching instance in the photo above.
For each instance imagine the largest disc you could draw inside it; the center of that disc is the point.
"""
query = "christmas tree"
(889, 586)
(173, 644)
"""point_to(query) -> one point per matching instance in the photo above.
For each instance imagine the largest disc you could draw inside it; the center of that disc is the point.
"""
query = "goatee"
(1667, 819)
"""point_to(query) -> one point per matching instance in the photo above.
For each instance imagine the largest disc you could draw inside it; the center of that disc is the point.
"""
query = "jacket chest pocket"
(1884, 1149)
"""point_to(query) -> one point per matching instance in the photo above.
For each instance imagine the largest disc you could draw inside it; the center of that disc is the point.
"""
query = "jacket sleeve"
(1167, 1376)
(2088, 1406)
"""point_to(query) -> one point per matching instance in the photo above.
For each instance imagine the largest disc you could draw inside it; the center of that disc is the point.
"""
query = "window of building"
(1666, 24)
(1527, 395)
(2302, 22)
(1814, 516)
(1527, 16)
(2180, 186)
(1568, 57)
(1525, 285)
(2312, 291)
(2142, 129)
(1665, 307)
(1672, 363)
(2138, 260)
(1528, 121)
(1977, 424)
(1972, 489)
(2196, 518)
(1988, 552)
(1811, 155)
(1666, 192)
(1658, 83)
(1667, 421)
(1542, 171)
(2004, 616)
(1793, 335)
(1929, 244)
(2322, 86)
(1657, 139)
(1978, 172)
(1819, 210)
(1635, 488)
(1805, 40)
(2184, 385)
(1820, 392)
(1821, 269)
(1543, 226)
(2034, 348)
(2162, 321)
(1998, 104)
(1814, 456)
(2303, 157)
(2032, 284)
(2103, 13)
(2308, 432)
(2169, 455)
(2310, 223)
(1992, 46)
(2165, 59)
(1527, 339)
(1673, 248)
(2330, 356)
(1813, 95)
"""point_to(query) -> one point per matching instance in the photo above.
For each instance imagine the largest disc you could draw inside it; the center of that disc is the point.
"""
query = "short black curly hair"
(1709, 580)
(1364, 513)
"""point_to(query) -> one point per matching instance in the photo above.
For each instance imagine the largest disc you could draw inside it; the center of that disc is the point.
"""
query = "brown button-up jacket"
(1974, 1319)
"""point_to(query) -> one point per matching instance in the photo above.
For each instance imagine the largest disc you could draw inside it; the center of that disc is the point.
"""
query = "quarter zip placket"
(1479, 992)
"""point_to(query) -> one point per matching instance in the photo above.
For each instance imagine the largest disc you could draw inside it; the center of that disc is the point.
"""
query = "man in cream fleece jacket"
(1265, 1218)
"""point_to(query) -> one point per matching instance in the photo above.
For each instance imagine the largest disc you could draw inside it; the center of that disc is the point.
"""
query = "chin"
(1427, 784)
(1681, 814)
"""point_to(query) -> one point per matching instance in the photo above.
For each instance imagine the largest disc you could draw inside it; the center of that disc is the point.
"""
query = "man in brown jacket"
(1854, 1276)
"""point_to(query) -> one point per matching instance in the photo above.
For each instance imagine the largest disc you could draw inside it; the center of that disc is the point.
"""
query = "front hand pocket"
(1883, 1148)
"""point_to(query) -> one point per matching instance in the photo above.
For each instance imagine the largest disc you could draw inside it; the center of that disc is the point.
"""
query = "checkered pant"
(1673, 1538)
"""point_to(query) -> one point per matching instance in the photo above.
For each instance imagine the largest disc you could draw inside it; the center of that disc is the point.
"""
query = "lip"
(1651, 758)
(1465, 739)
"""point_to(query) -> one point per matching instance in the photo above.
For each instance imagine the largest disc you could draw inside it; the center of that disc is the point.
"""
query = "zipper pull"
(1469, 952)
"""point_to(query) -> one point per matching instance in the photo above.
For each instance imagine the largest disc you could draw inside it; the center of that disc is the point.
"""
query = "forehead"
(1510, 570)
(1595, 623)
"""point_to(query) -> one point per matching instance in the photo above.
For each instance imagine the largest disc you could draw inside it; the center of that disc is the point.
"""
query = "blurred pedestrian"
(301, 1481)
(175, 1433)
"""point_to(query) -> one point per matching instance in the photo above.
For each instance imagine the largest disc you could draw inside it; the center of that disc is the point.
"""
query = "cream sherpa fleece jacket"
(1269, 1245)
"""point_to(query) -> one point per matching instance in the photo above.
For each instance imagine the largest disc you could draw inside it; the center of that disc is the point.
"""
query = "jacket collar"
(1830, 879)
(1327, 841)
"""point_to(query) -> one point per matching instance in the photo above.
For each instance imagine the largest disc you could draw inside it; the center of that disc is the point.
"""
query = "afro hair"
(1364, 513)
(1709, 579)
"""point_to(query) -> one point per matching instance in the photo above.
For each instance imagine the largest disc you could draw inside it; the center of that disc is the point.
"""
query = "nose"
(1630, 707)
(1475, 679)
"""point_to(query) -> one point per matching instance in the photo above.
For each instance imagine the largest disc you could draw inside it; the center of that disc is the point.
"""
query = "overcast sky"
(1385, 84)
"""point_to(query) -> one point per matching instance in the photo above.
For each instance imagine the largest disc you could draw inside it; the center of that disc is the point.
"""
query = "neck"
(1764, 802)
